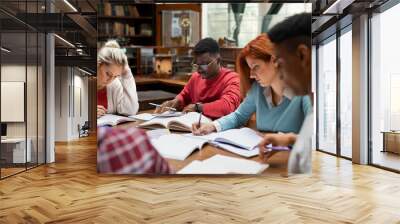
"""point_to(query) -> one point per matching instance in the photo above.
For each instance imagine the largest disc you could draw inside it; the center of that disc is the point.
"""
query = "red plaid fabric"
(127, 151)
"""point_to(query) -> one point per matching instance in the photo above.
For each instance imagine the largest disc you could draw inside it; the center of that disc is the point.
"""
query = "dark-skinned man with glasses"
(212, 89)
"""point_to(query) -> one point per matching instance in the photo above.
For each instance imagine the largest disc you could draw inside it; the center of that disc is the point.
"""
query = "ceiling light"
(338, 6)
(5, 50)
(70, 5)
(65, 41)
(86, 72)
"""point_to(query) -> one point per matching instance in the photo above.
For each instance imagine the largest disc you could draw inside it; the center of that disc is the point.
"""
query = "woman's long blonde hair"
(111, 53)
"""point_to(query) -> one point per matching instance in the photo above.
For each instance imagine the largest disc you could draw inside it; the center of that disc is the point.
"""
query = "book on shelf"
(129, 30)
(107, 9)
(119, 10)
(133, 11)
(118, 29)
(146, 30)
(100, 9)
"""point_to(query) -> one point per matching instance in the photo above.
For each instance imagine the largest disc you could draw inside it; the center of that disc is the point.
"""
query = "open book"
(220, 164)
(148, 116)
(243, 141)
(245, 138)
(112, 120)
(175, 146)
(181, 123)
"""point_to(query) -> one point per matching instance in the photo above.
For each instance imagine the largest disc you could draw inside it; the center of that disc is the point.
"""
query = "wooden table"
(277, 163)
(391, 141)
(147, 80)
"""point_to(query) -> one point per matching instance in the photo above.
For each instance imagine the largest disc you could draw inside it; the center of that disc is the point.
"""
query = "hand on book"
(101, 110)
(167, 105)
(189, 108)
(203, 129)
(280, 139)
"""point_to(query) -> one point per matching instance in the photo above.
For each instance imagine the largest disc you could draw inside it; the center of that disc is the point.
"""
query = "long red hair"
(260, 48)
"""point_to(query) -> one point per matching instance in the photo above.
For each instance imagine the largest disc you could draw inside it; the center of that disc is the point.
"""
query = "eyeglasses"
(203, 67)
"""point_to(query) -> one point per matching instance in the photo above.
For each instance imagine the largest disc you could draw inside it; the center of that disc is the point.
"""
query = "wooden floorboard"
(70, 191)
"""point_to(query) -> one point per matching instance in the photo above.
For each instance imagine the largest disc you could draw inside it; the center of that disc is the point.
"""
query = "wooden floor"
(386, 159)
(70, 191)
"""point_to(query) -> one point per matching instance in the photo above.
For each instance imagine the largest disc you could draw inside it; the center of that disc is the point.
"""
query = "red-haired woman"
(265, 94)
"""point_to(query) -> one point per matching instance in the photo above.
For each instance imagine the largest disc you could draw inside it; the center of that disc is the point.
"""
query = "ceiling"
(22, 20)
(333, 15)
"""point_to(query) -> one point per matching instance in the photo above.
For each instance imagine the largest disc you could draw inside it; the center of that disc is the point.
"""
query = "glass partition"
(22, 89)
(385, 88)
(15, 149)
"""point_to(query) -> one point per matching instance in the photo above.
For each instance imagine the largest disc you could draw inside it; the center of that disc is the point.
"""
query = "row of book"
(123, 29)
(108, 9)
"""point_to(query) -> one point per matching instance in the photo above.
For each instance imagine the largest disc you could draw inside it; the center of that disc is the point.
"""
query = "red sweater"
(102, 97)
(219, 96)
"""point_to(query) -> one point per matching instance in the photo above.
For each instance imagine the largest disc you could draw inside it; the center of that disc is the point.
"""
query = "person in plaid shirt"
(128, 151)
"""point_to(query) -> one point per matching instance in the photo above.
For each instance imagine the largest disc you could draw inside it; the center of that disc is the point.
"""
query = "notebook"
(175, 146)
(220, 164)
(156, 133)
(244, 138)
(237, 150)
(243, 141)
(181, 123)
(148, 116)
(112, 120)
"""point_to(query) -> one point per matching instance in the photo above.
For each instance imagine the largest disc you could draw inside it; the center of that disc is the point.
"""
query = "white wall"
(70, 84)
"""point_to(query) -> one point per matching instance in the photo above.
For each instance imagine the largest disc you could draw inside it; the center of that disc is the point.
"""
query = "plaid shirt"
(127, 151)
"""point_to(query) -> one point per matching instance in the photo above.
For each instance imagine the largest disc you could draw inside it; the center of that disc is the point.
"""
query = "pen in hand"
(200, 119)
(277, 148)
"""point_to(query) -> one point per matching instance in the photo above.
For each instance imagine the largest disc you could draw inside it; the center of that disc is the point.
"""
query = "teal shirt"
(288, 116)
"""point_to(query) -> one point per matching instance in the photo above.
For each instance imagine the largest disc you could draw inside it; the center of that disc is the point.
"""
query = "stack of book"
(108, 9)
(116, 29)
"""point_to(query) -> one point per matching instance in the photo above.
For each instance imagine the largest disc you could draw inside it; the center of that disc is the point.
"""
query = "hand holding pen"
(273, 143)
(161, 107)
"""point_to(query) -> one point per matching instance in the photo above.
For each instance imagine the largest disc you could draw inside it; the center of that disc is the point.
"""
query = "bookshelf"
(124, 18)
(131, 24)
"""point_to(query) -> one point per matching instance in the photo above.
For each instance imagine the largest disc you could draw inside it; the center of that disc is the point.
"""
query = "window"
(346, 93)
(326, 90)
(219, 21)
(385, 88)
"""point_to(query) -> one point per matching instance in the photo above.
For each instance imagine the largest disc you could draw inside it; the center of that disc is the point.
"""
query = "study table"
(14, 152)
(277, 163)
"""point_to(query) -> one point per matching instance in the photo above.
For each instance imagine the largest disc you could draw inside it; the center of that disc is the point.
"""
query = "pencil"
(158, 105)
(279, 148)
(200, 119)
